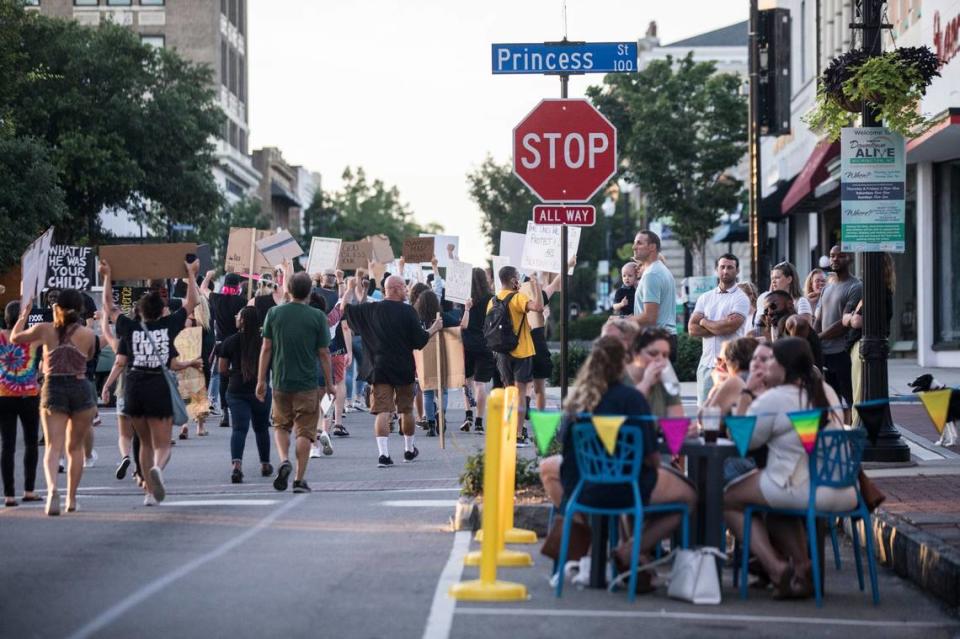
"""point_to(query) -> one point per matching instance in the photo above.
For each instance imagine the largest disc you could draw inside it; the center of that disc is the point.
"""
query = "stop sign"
(564, 150)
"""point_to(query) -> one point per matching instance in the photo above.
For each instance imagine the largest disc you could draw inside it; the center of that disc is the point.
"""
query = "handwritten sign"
(324, 254)
(418, 249)
(445, 247)
(426, 361)
(355, 255)
(541, 249)
(70, 267)
(33, 264)
(278, 247)
(499, 261)
(458, 282)
(239, 245)
(126, 297)
(382, 251)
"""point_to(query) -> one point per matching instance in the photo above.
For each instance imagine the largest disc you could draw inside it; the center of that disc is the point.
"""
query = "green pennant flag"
(741, 428)
(807, 425)
(545, 425)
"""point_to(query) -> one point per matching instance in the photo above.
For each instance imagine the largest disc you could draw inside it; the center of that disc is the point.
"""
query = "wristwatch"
(747, 391)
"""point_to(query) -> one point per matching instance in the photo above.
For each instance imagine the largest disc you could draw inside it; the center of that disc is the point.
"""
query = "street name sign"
(571, 58)
(564, 151)
(584, 215)
(873, 174)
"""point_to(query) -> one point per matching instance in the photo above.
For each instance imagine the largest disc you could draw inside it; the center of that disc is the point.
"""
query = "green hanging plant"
(894, 83)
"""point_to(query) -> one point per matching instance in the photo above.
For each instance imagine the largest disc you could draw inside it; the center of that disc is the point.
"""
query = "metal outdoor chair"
(623, 467)
(834, 463)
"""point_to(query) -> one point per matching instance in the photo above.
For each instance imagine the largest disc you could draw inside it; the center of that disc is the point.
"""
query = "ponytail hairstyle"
(250, 341)
(796, 358)
(479, 285)
(67, 311)
(602, 368)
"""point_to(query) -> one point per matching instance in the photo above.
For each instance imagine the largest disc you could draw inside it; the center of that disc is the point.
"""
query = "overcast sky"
(404, 88)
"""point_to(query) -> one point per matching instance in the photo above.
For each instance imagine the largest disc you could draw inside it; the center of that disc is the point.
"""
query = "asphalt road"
(367, 554)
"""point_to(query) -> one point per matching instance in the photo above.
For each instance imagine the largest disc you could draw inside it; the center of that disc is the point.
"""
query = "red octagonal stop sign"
(564, 150)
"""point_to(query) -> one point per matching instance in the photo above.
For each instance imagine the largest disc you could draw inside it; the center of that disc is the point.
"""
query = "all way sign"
(565, 215)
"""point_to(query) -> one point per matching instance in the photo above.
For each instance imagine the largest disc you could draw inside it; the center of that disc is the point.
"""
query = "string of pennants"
(939, 404)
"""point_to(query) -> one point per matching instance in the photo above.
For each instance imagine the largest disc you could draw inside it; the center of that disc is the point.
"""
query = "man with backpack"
(508, 335)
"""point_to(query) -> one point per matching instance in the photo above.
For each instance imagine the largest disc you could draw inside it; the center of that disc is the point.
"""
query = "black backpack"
(498, 326)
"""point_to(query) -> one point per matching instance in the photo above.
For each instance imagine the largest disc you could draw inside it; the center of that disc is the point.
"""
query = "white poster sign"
(541, 251)
(279, 247)
(445, 247)
(511, 247)
(499, 261)
(324, 254)
(458, 282)
(33, 267)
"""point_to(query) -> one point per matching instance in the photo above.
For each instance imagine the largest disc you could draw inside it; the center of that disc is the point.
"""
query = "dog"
(928, 382)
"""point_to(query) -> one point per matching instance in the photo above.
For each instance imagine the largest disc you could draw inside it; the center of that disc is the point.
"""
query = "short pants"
(389, 399)
(66, 394)
(300, 409)
(338, 365)
(147, 394)
(514, 370)
(542, 363)
(479, 365)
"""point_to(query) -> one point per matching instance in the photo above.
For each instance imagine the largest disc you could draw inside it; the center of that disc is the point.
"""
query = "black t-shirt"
(391, 331)
(138, 345)
(232, 350)
(263, 304)
(472, 335)
(329, 295)
(625, 292)
(225, 309)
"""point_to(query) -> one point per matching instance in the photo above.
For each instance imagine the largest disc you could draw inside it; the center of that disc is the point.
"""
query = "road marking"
(422, 490)
(921, 452)
(440, 620)
(110, 615)
(699, 616)
(420, 503)
(222, 502)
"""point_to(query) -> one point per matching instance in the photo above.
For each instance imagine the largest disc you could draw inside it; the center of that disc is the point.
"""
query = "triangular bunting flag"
(607, 428)
(872, 413)
(674, 432)
(937, 403)
(544, 428)
(807, 424)
(741, 428)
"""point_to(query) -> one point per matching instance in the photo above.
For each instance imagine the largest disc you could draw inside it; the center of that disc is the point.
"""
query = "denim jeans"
(430, 404)
(244, 409)
(359, 386)
(704, 383)
(213, 393)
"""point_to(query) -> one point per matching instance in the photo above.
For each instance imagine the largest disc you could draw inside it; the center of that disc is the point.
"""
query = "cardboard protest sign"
(445, 247)
(499, 261)
(126, 297)
(418, 249)
(382, 251)
(354, 255)
(70, 267)
(324, 254)
(458, 282)
(146, 261)
(541, 250)
(377, 271)
(278, 247)
(511, 247)
(206, 258)
(241, 247)
(426, 360)
(33, 266)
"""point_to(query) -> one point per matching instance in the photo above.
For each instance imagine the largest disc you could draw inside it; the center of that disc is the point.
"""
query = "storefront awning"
(814, 172)
(278, 192)
(938, 143)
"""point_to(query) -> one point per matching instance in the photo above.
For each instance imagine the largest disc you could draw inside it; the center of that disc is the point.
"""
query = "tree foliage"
(681, 128)
(505, 203)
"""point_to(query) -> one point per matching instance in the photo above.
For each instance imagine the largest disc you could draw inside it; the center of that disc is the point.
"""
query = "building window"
(241, 79)
(152, 3)
(946, 193)
(31, 3)
(155, 41)
(234, 141)
(241, 18)
(84, 3)
(234, 188)
(233, 12)
(233, 72)
(224, 75)
(243, 140)
(119, 3)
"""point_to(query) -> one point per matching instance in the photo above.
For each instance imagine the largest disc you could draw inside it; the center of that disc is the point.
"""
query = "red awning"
(814, 172)
(938, 143)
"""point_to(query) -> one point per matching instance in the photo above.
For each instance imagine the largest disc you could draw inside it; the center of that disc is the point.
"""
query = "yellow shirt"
(518, 308)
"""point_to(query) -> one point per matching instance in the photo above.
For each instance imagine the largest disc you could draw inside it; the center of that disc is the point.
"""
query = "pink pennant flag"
(674, 432)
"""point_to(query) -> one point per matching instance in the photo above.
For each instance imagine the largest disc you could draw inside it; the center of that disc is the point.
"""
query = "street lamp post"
(609, 208)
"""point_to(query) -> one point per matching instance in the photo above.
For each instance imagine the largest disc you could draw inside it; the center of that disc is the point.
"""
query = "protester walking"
(224, 305)
(19, 399)
(478, 358)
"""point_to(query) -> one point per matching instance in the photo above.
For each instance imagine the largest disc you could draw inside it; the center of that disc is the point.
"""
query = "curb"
(535, 517)
(916, 555)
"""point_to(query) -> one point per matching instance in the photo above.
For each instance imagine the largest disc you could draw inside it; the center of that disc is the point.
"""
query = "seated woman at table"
(789, 382)
(736, 355)
(649, 356)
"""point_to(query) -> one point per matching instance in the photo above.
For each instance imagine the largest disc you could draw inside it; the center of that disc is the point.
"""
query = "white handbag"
(694, 577)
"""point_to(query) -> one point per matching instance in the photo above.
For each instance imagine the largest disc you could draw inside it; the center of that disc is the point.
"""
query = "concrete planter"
(535, 517)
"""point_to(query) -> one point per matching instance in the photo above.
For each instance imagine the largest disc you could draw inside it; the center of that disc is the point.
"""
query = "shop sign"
(946, 37)
(873, 175)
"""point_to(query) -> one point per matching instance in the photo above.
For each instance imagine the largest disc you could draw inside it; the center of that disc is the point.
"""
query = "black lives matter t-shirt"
(140, 348)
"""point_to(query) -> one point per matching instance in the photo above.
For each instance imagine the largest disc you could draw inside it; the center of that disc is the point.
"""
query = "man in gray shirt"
(836, 300)
(655, 303)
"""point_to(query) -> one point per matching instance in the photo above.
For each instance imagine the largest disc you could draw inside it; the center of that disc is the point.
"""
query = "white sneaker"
(347, 409)
(315, 452)
(156, 478)
(358, 405)
(149, 500)
(91, 461)
(325, 443)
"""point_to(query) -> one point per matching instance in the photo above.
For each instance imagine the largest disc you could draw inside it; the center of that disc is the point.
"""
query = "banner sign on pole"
(873, 173)
(324, 254)
(541, 251)
(33, 267)
(70, 267)
(458, 281)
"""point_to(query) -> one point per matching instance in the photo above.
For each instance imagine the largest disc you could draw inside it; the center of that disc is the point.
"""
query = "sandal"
(781, 587)
(10, 502)
(26, 498)
(340, 431)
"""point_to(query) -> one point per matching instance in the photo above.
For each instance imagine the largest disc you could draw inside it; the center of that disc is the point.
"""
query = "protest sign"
(146, 261)
(445, 247)
(126, 297)
(206, 258)
(70, 267)
(541, 250)
(377, 271)
(33, 265)
(499, 261)
(418, 249)
(426, 360)
(278, 247)
(458, 282)
(511, 247)
(354, 255)
(382, 251)
(324, 254)
(242, 251)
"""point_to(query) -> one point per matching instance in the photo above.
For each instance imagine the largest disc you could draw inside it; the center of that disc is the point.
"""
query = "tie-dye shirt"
(19, 364)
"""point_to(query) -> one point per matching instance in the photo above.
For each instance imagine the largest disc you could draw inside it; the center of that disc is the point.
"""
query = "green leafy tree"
(681, 128)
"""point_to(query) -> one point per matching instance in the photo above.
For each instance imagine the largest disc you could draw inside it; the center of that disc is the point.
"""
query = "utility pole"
(874, 346)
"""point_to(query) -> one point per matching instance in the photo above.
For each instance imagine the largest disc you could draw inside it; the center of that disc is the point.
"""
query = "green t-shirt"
(297, 332)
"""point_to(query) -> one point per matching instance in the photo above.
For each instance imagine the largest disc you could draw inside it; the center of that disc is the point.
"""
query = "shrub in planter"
(575, 358)
(588, 327)
(689, 350)
(471, 479)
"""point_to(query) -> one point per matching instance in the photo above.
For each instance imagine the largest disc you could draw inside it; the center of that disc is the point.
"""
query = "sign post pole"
(564, 281)
(253, 257)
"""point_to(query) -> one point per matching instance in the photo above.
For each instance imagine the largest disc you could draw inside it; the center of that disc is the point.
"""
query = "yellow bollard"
(487, 588)
(506, 436)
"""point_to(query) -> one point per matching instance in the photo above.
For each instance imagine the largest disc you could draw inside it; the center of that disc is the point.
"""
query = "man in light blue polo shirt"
(655, 303)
